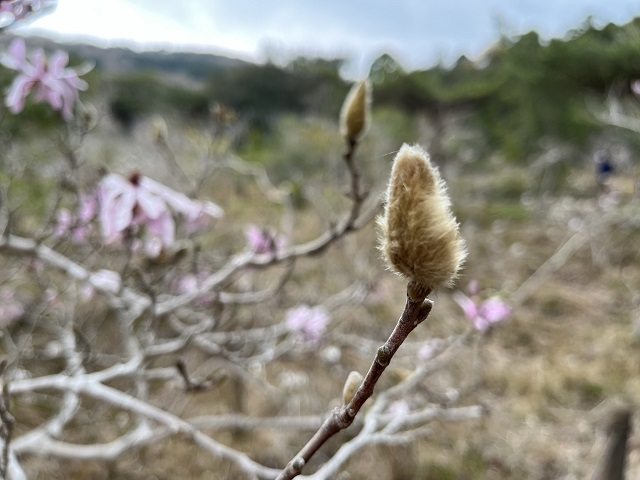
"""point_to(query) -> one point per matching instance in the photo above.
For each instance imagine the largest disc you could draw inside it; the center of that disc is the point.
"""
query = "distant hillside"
(525, 93)
(118, 61)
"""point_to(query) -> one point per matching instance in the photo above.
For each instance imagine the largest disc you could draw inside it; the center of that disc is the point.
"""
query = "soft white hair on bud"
(420, 238)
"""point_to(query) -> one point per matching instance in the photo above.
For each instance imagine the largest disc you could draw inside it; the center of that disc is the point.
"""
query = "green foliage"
(29, 195)
(399, 125)
(509, 187)
(136, 96)
(294, 149)
(261, 90)
(526, 91)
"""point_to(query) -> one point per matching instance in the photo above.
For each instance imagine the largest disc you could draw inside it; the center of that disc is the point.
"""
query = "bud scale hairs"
(419, 236)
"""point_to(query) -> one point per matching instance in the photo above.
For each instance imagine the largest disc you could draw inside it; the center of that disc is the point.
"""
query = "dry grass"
(549, 374)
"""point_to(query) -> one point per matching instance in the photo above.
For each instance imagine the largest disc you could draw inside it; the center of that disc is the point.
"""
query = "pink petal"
(473, 288)
(45, 93)
(151, 205)
(177, 201)
(495, 309)
(57, 62)
(80, 234)
(64, 219)
(468, 306)
(16, 58)
(164, 228)
(308, 322)
(480, 323)
(18, 92)
(38, 67)
(87, 207)
(120, 210)
(117, 198)
(257, 240)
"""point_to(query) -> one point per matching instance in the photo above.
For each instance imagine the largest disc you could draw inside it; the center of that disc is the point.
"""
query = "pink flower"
(264, 240)
(126, 203)
(10, 308)
(53, 82)
(13, 10)
(76, 226)
(192, 282)
(309, 323)
(87, 207)
(64, 221)
(482, 314)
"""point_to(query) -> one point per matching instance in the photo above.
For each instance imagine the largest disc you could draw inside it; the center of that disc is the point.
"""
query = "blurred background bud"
(356, 112)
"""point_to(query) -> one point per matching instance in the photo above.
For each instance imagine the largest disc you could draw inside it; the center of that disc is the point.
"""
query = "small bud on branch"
(350, 386)
(356, 112)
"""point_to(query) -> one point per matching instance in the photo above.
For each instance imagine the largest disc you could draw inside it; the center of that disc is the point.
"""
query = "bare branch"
(416, 310)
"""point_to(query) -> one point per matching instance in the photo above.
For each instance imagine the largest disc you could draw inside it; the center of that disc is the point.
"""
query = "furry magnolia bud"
(420, 238)
(356, 112)
(351, 386)
(159, 130)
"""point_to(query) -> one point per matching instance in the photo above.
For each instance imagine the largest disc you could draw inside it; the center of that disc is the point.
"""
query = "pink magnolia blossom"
(309, 323)
(11, 309)
(52, 81)
(12, 11)
(191, 282)
(64, 221)
(128, 203)
(482, 314)
(77, 226)
(87, 207)
(264, 240)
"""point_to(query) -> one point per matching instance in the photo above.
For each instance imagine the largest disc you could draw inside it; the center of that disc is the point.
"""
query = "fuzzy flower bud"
(159, 130)
(420, 238)
(356, 112)
(351, 386)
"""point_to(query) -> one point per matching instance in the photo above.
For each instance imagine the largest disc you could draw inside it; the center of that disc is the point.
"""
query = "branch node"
(297, 464)
(424, 311)
(383, 356)
(417, 291)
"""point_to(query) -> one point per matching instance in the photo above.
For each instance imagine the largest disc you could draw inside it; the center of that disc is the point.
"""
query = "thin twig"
(416, 310)
(6, 429)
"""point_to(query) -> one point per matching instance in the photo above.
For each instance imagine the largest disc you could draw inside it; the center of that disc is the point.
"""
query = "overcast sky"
(418, 33)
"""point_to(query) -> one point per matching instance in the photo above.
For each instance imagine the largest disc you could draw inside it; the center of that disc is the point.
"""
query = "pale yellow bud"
(420, 238)
(88, 117)
(351, 386)
(159, 130)
(356, 112)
